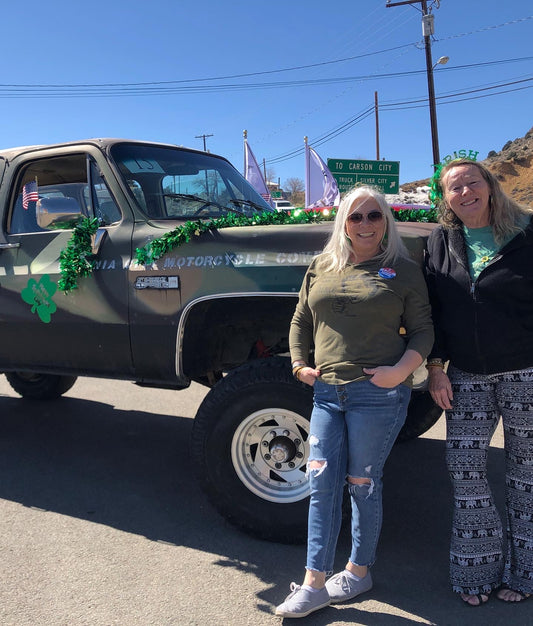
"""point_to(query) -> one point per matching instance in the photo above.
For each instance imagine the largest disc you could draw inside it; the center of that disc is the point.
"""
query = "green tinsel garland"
(77, 259)
(182, 234)
(415, 215)
(435, 188)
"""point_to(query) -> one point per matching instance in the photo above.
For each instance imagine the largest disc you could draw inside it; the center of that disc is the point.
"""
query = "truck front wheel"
(250, 447)
(39, 386)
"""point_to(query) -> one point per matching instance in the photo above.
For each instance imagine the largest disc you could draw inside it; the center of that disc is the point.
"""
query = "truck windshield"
(175, 183)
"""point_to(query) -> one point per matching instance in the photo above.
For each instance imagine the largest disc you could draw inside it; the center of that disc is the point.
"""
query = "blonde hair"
(338, 249)
(506, 216)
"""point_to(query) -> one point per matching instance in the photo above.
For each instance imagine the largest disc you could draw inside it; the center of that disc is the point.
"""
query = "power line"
(211, 78)
(7, 91)
(486, 95)
(325, 137)
(407, 104)
(445, 97)
(484, 29)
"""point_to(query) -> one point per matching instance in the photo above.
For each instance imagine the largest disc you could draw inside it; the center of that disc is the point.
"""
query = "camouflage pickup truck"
(214, 310)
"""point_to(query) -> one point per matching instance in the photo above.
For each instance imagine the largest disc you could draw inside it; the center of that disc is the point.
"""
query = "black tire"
(422, 414)
(39, 386)
(256, 414)
(259, 409)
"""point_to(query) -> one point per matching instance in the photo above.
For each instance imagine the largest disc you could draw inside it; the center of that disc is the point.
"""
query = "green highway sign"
(382, 174)
(351, 166)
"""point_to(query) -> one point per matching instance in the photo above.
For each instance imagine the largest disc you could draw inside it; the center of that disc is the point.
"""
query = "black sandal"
(482, 598)
(523, 596)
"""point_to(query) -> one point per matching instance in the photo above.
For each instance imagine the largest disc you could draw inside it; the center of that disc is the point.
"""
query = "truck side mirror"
(58, 212)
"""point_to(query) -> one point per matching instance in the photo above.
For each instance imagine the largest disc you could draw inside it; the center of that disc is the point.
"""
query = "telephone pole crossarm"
(204, 137)
(397, 4)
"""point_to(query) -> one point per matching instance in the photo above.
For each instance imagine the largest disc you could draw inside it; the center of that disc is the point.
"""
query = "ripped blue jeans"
(353, 428)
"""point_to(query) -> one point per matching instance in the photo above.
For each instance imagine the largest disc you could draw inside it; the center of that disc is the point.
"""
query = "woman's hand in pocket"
(308, 375)
(386, 376)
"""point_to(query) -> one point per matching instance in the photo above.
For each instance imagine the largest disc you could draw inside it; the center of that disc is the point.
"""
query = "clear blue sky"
(191, 55)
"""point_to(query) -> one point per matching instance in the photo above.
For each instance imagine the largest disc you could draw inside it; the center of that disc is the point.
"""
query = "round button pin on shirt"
(387, 272)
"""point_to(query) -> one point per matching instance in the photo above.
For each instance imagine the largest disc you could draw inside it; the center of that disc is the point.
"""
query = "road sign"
(382, 174)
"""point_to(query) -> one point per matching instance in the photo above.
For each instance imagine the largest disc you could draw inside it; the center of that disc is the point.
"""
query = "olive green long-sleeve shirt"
(354, 318)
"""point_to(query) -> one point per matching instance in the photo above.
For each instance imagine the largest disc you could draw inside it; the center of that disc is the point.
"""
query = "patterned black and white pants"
(478, 560)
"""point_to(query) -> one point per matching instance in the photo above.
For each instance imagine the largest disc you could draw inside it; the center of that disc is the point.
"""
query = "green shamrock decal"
(39, 295)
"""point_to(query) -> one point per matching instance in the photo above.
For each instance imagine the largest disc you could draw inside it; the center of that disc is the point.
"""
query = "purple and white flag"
(253, 175)
(320, 187)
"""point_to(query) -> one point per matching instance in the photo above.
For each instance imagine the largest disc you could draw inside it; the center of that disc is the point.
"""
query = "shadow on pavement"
(131, 470)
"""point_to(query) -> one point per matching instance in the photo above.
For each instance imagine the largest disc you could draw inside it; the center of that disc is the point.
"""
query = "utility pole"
(204, 137)
(427, 30)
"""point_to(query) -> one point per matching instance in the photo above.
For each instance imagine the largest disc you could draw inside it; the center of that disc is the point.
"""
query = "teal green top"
(480, 248)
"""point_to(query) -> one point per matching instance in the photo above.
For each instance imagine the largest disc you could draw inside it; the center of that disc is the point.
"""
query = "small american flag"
(29, 193)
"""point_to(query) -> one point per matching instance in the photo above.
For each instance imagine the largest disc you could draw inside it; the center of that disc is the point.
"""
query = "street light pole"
(427, 30)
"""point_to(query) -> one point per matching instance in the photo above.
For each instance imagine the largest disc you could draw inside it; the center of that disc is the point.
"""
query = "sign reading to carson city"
(382, 174)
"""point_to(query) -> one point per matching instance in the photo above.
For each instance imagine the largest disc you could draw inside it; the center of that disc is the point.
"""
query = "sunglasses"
(373, 216)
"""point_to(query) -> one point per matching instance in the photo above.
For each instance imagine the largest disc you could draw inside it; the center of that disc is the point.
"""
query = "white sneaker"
(301, 602)
(342, 587)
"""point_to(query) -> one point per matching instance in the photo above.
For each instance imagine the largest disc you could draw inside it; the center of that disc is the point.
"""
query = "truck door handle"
(6, 246)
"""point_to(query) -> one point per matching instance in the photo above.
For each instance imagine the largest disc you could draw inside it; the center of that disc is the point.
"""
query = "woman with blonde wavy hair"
(355, 298)
(480, 278)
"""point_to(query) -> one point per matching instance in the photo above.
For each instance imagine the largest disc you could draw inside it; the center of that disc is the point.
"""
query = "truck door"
(41, 328)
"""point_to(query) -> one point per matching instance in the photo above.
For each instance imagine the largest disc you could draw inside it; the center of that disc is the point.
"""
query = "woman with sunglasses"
(355, 298)
(480, 278)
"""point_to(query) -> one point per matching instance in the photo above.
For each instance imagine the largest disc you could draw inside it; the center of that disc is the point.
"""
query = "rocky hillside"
(512, 165)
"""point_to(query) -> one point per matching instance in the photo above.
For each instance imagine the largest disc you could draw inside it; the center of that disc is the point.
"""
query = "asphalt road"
(102, 522)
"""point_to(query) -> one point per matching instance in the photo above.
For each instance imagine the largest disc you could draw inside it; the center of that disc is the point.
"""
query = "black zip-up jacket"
(485, 326)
